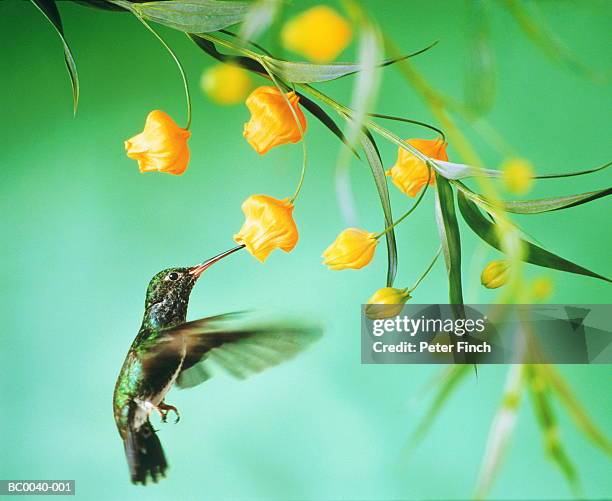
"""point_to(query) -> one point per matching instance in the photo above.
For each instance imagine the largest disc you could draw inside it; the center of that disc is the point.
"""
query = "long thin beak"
(197, 270)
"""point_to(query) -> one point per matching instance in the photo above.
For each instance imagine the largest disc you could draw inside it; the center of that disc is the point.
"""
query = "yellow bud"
(410, 173)
(386, 302)
(226, 83)
(517, 175)
(161, 146)
(268, 225)
(319, 33)
(495, 274)
(541, 288)
(353, 248)
(272, 122)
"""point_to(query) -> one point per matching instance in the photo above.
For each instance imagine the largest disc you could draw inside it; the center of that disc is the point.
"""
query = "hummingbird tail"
(145, 454)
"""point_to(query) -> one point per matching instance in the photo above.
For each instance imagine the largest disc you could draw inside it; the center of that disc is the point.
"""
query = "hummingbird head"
(168, 292)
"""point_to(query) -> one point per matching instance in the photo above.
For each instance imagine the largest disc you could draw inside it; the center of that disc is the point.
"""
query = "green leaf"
(449, 237)
(548, 425)
(500, 431)
(374, 161)
(536, 206)
(452, 170)
(191, 16)
(480, 75)
(49, 10)
(261, 14)
(576, 411)
(450, 380)
(534, 254)
(301, 72)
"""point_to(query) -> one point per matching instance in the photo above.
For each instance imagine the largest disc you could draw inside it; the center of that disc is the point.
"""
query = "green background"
(83, 231)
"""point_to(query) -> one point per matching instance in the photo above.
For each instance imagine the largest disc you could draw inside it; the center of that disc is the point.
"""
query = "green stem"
(426, 272)
(178, 63)
(411, 210)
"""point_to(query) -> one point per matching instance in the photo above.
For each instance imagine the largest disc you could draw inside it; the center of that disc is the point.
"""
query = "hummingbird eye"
(173, 276)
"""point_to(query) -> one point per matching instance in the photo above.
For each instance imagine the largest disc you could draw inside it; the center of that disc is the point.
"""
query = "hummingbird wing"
(240, 346)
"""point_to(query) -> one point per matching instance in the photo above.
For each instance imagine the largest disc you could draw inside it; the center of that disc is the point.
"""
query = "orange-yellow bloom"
(226, 83)
(161, 146)
(319, 33)
(353, 248)
(268, 225)
(495, 274)
(386, 302)
(517, 175)
(272, 121)
(541, 288)
(410, 173)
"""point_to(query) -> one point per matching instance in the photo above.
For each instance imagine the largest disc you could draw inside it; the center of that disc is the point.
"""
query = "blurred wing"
(241, 347)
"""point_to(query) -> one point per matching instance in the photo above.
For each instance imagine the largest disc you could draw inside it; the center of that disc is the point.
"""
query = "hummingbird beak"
(197, 270)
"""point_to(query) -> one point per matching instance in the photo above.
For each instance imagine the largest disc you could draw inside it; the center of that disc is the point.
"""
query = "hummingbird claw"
(164, 409)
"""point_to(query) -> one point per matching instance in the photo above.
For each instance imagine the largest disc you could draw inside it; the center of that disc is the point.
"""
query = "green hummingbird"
(169, 351)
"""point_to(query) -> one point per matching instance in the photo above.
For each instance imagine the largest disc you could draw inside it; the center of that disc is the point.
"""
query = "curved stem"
(411, 210)
(427, 270)
(178, 63)
(298, 123)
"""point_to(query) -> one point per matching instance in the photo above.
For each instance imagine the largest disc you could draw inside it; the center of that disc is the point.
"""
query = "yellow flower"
(272, 122)
(161, 146)
(319, 33)
(268, 225)
(226, 83)
(541, 288)
(495, 274)
(517, 175)
(410, 173)
(386, 302)
(353, 248)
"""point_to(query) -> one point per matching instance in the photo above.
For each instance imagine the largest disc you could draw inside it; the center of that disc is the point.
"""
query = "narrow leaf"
(536, 206)
(191, 16)
(449, 383)
(534, 254)
(302, 72)
(500, 431)
(578, 413)
(260, 16)
(449, 237)
(49, 10)
(374, 161)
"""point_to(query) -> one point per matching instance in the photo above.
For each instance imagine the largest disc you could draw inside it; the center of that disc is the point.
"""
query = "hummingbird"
(169, 351)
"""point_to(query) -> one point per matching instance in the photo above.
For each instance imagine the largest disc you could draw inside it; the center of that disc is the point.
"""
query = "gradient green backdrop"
(83, 231)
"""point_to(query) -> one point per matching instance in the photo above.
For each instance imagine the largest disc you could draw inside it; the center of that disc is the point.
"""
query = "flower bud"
(517, 175)
(226, 83)
(272, 121)
(386, 302)
(161, 146)
(410, 173)
(353, 248)
(319, 33)
(495, 274)
(268, 225)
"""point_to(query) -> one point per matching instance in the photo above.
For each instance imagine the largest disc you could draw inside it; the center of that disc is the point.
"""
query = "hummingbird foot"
(163, 409)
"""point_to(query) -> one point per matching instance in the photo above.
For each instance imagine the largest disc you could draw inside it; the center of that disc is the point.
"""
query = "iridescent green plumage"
(169, 350)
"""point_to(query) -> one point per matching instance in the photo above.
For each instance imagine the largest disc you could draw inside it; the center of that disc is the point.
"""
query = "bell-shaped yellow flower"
(319, 33)
(386, 302)
(410, 173)
(226, 83)
(161, 146)
(272, 121)
(517, 175)
(268, 225)
(495, 274)
(353, 248)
